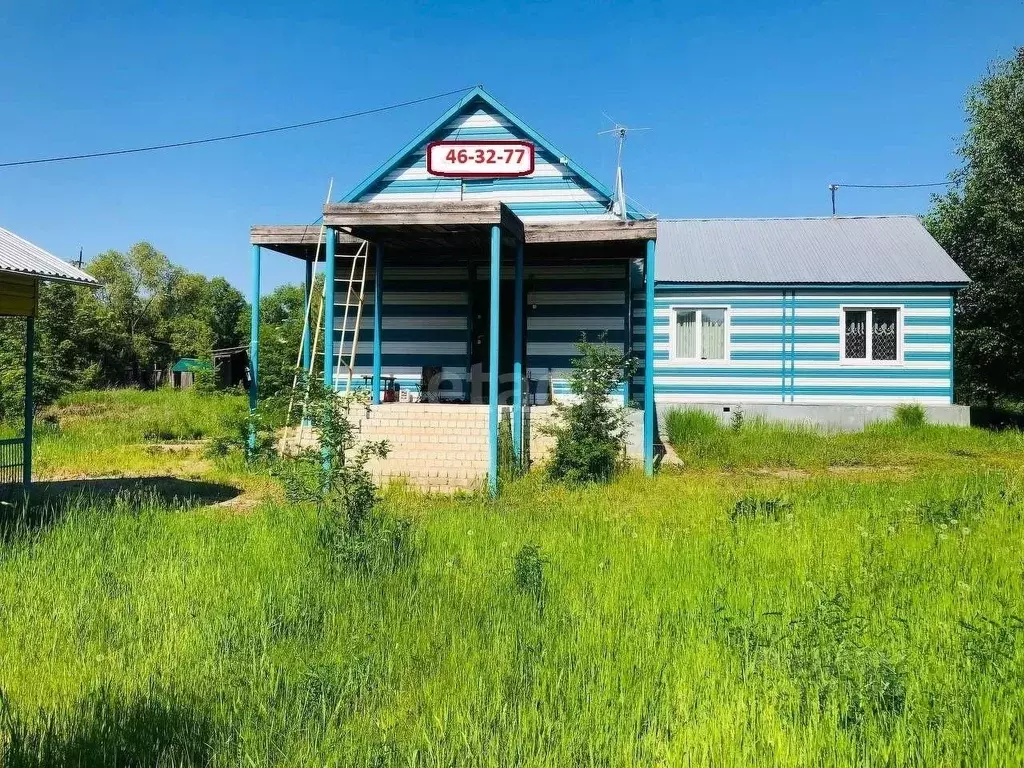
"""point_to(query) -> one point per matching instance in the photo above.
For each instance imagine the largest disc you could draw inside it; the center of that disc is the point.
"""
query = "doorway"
(480, 334)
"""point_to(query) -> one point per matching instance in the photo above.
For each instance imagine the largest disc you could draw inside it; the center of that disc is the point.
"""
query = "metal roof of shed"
(20, 257)
(841, 249)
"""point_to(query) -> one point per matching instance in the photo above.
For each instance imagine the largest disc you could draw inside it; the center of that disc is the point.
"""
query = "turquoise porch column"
(378, 315)
(30, 409)
(307, 352)
(517, 359)
(329, 310)
(492, 377)
(254, 338)
(649, 410)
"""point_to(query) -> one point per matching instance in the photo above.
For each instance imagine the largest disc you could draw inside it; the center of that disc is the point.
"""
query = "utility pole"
(832, 188)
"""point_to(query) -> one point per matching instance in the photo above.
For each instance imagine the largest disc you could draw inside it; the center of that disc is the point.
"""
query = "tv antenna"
(620, 131)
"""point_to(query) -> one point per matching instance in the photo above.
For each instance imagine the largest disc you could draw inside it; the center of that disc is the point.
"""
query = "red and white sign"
(495, 159)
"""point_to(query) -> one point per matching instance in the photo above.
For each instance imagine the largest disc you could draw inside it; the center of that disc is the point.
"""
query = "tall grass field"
(781, 598)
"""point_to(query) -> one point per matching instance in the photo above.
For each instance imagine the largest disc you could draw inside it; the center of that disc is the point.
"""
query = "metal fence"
(12, 461)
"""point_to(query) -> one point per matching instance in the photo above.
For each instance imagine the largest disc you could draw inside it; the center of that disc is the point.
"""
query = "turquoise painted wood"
(254, 331)
(329, 303)
(30, 406)
(517, 356)
(307, 352)
(378, 320)
(786, 345)
(558, 188)
(492, 383)
(649, 412)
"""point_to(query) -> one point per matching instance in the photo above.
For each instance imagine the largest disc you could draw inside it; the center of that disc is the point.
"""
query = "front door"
(480, 359)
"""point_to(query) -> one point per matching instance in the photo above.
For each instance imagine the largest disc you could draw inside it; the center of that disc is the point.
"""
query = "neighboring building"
(22, 267)
(183, 372)
(801, 317)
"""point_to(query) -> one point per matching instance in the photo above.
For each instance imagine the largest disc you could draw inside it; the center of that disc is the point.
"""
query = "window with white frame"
(700, 334)
(872, 334)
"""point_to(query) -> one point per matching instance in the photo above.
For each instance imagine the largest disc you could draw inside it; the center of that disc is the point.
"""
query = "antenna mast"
(620, 131)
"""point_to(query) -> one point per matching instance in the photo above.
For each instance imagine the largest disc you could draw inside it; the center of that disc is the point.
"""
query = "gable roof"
(847, 250)
(477, 99)
(20, 257)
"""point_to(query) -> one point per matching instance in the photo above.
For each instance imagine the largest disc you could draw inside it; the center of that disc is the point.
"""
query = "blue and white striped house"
(815, 319)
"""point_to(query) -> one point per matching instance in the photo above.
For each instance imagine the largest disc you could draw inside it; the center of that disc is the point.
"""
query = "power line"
(832, 188)
(232, 136)
(894, 186)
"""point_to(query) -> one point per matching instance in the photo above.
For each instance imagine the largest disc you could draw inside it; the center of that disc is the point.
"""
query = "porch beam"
(584, 231)
(517, 359)
(329, 309)
(649, 410)
(424, 214)
(378, 320)
(493, 373)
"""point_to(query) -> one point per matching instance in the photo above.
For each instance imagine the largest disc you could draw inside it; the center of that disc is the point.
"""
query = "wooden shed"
(23, 266)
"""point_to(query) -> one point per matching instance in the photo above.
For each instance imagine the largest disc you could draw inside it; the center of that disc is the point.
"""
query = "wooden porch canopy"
(455, 227)
(464, 230)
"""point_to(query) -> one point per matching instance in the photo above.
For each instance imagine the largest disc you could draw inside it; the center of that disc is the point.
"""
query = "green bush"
(909, 415)
(590, 432)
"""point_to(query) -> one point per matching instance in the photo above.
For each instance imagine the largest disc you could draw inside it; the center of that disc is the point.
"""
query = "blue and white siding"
(424, 322)
(553, 192)
(563, 303)
(785, 347)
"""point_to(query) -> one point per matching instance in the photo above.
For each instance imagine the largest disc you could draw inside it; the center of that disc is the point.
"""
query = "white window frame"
(673, 330)
(868, 308)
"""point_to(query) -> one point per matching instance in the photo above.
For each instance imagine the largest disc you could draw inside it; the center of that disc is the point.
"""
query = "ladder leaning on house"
(355, 297)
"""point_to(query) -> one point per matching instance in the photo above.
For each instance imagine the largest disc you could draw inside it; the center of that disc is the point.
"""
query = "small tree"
(590, 431)
(335, 478)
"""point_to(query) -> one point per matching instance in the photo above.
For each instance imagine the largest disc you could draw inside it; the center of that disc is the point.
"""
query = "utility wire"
(894, 186)
(232, 136)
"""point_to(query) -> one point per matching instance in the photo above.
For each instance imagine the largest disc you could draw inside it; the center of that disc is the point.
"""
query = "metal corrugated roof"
(20, 257)
(862, 249)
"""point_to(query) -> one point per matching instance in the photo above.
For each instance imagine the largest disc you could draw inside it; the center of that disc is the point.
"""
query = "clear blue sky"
(755, 106)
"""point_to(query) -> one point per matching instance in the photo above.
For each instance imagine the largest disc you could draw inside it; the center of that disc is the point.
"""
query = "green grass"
(130, 432)
(700, 440)
(707, 617)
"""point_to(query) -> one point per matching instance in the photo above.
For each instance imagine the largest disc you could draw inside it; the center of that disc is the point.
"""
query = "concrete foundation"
(837, 417)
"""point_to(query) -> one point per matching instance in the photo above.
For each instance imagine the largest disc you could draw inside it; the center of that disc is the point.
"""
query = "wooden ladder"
(355, 296)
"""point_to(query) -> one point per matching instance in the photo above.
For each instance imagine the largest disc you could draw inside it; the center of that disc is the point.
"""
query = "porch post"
(492, 377)
(307, 352)
(378, 315)
(627, 330)
(517, 358)
(30, 341)
(254, 338)
(649, 412)
(329, 311)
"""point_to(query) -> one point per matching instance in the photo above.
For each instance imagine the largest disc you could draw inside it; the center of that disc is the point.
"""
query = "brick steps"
(433, 447)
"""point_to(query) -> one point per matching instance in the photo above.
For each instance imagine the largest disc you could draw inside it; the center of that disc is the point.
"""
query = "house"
(183, 372)
(481, 248)
(23, 266)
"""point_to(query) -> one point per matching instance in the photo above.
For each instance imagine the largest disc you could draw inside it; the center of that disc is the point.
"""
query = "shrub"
(590, 432)
(909, 415)
(352, 531)
(528, 574)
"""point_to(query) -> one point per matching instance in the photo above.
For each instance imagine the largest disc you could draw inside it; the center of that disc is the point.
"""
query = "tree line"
(148, 314)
